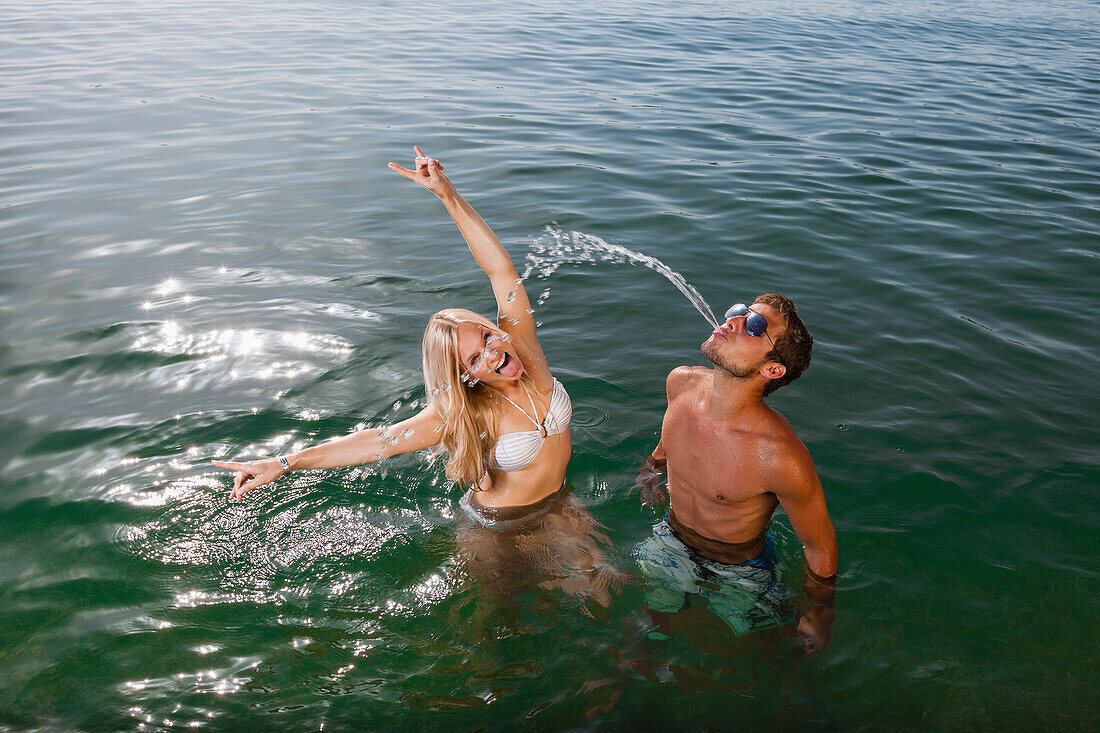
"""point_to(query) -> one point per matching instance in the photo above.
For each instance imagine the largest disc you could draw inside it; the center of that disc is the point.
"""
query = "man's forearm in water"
(650, 481)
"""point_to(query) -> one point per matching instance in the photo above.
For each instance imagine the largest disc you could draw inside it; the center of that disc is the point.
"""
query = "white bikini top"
(515, 451)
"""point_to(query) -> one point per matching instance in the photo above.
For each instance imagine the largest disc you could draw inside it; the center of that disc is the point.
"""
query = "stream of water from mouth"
(561, 247)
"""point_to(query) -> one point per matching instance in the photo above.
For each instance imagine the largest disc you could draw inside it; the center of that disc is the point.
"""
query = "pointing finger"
(403, 171)
(231, 465)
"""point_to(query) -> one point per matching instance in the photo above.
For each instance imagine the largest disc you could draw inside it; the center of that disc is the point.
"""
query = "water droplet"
(530, 310)
(511, 296)
(842, 427)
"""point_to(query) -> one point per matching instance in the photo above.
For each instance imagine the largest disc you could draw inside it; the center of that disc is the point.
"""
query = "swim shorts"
(748, 596)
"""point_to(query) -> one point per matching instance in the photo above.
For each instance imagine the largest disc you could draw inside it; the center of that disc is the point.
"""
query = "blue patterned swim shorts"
(748, 596)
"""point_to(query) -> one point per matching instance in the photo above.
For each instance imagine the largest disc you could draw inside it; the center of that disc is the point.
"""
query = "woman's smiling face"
(486, 355)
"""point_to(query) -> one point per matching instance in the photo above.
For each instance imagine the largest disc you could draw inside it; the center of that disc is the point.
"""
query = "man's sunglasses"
(755, 324)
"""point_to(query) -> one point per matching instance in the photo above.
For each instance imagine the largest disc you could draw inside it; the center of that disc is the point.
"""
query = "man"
(731, 460)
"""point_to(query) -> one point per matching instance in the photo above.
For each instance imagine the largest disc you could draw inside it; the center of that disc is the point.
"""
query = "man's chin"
(709, 351)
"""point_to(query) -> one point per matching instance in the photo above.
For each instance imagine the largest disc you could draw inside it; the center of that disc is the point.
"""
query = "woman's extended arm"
(513, 305)
(364, 446)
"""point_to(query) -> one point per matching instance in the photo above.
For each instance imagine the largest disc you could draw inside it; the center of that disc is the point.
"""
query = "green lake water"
(203, 255)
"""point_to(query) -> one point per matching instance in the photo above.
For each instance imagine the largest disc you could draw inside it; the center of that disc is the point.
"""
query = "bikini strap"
(533, 408)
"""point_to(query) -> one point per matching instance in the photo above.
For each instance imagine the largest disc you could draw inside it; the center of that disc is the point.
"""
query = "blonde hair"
(470, 414)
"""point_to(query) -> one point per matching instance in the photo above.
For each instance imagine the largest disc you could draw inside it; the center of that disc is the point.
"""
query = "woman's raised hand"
(429, 173)
(251, 474)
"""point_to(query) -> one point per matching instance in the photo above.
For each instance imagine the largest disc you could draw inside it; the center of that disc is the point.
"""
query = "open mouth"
(509, 367)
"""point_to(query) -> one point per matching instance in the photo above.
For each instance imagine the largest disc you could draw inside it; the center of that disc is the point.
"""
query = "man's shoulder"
(779, 431)
(794, 465)
(683, 378)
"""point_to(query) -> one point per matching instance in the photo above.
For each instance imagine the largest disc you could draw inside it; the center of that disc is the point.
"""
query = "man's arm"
(804, 501)
(655, 469)
(650, 478)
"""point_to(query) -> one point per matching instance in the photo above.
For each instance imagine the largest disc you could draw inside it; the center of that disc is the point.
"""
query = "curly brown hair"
(793, 347)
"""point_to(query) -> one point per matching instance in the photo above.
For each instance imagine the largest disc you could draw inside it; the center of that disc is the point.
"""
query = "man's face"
(731, 348)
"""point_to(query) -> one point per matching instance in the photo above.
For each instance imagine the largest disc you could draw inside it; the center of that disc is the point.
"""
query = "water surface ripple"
(202, 255)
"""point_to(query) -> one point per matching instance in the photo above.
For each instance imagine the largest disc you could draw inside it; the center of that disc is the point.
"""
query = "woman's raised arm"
(513, 305)
(364, 446)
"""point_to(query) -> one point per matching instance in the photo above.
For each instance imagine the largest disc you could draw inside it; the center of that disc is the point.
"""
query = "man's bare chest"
(714, 463)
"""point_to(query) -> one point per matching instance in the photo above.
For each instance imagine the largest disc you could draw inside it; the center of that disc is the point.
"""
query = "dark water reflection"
(202, 255)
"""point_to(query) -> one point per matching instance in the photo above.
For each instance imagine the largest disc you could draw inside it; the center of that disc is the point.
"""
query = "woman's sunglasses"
(755, 324)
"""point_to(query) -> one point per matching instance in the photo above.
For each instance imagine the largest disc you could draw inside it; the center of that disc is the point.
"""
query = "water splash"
(561, 247)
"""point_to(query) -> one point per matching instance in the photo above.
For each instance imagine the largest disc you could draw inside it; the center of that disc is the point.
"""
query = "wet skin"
(731, 459)
(723, 474)
(500, 372)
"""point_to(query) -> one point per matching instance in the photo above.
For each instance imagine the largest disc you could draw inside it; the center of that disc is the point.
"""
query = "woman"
(502, 418)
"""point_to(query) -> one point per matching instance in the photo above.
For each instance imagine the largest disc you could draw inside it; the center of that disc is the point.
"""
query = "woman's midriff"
(542, 479)
(516, 511)
(731, 553)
